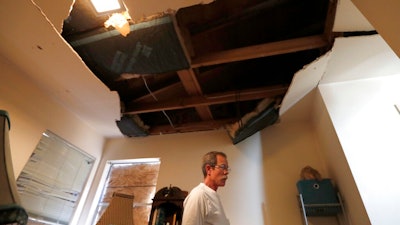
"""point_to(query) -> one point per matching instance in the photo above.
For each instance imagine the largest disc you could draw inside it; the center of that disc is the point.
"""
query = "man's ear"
(208, 168)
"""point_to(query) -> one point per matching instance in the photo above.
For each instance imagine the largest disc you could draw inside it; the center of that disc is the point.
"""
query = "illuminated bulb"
(102, 6)
(120, 22)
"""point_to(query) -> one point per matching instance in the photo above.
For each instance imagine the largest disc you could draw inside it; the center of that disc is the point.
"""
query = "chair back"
(10, 210)
(120, 210)
(8, 186)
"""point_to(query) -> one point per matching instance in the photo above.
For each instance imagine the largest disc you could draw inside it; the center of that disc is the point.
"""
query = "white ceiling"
(33, 42)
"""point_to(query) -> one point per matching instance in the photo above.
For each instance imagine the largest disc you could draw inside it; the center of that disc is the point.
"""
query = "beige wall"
(300, 140)
(288, 146)
(270, 160)
(384, 16)
(180, 156)
(31, 112)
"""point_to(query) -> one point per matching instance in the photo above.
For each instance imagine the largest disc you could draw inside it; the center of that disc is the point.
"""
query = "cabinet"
(167, 207)
(319, 198)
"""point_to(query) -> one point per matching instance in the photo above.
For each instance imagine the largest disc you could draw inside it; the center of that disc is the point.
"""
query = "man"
(202, 206)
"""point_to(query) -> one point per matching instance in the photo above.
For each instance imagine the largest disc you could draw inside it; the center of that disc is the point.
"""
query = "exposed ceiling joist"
(190, 127)
(205, 65)
(262, 50)
(206, 100)
(192, 87)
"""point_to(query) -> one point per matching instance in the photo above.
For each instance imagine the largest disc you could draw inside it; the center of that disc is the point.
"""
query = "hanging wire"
(151, 93)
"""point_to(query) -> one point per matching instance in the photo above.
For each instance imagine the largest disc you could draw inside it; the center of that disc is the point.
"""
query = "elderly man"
(203, 206)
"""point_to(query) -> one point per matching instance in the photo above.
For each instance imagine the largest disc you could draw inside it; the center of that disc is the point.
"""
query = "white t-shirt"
(203, 207)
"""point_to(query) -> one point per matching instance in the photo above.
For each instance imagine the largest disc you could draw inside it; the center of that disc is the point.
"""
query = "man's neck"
(210, 184)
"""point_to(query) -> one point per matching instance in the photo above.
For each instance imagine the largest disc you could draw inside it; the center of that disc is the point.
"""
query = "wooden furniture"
(167, 208)
(120, 211)
(11, 211)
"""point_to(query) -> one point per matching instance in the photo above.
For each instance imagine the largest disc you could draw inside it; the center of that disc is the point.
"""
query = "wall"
(180, 156)
(367, 124)
(32, 111)
(305, 136)
(384, 16)
(360, 98)
(288, 146)
(337, 164)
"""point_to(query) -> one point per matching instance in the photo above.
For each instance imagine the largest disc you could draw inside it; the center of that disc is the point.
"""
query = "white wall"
(362, 109)
(337, 164)
(180, 156)
(32, 111)
(368, 126)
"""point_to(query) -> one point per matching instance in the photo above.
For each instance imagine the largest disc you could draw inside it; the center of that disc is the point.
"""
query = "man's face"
(219, 173)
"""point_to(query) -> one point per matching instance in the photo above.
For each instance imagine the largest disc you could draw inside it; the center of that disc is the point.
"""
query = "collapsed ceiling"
(226, 64)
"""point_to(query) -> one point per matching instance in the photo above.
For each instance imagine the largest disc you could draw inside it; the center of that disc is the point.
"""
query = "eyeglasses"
(223, 167)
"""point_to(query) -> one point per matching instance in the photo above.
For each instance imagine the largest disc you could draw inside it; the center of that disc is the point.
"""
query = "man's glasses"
(223, 167)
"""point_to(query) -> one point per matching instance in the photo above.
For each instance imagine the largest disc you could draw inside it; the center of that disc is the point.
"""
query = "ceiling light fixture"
(104, 7)
(120, 22)
(119, 18)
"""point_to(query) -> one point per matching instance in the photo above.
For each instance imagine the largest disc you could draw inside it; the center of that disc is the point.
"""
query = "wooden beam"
(190, 127)
(192, 87)
(189, 81)
(206, 100)
(329, 22)
(262, 50)
(175, 89)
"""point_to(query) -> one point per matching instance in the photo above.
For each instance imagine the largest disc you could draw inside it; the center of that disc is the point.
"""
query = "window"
(137, 177)
(52, 180)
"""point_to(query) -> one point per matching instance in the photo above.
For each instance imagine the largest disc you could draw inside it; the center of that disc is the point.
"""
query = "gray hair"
(210, 158)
